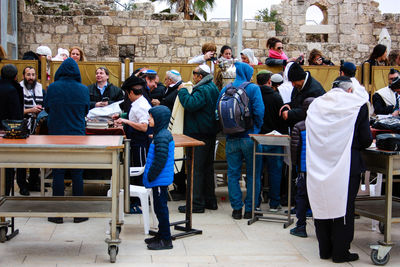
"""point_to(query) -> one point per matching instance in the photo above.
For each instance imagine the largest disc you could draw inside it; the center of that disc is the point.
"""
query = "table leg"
(2, 182)
(388, 202)
(253, 218)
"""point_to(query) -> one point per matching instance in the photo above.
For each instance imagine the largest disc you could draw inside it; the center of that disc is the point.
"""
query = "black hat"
(296, 73)
(131, 81)
(395, 84)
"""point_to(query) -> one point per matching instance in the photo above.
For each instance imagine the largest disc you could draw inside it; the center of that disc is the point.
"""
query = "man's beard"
(29, 86)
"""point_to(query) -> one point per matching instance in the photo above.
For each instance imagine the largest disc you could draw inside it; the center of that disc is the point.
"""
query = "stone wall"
(350, 30)
(109, 35)
(352, 27)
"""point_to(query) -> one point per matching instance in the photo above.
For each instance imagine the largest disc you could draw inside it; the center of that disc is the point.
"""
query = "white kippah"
(205, 68)
(276, 78)
(43, 50)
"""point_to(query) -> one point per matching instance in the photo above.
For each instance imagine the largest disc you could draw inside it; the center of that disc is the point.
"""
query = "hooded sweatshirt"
(244, 72)
(67, 101)
(159, 170)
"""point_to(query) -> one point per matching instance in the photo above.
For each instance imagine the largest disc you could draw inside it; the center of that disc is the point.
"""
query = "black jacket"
(272, 103)
(312, 88)
(380, 106)
(11, 101)
(296, 142)
(170, 96)
(112, 92)
(362, 139)
(158, 93)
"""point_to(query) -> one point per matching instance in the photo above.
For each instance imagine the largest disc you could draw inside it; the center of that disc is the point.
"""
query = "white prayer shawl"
(286, 88)
(387, 95)
(330, 129)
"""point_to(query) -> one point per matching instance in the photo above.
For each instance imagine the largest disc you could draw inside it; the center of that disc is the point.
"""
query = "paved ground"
(224, 242)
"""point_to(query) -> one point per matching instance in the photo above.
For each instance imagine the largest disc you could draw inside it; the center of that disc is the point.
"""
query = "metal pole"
(233, 25)
(239, 27)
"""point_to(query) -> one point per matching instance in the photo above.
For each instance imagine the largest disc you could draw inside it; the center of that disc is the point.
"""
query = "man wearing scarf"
(337, 130)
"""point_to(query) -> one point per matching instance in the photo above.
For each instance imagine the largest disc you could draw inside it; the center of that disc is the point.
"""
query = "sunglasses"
(280, 48)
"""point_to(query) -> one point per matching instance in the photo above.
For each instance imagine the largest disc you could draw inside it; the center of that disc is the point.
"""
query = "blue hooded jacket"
(67, 101)
(159, 170)
(244, 72)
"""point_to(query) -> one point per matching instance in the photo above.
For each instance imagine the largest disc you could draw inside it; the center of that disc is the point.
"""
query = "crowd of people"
(292, 102)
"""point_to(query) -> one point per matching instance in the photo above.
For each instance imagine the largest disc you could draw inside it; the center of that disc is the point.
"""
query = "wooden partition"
(379, 77)
(88, 71)
(21, 65)
(184, 69)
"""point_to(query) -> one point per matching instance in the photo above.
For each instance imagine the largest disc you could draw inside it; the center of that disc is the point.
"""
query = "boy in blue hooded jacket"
(159, 174)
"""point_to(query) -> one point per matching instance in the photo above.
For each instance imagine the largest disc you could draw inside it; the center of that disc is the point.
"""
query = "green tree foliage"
(269, 16)
(129, 5)
(192, 9)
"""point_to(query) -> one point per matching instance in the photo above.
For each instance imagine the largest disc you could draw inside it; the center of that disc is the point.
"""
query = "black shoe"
(247, 215)
(152, 239)
(349, 257)
(57, 220)
(182, 209)
(34, 187)
(237, 214)
(160, 245)
(299, 231)
(80, 219)
(24, 192)
(212, 206)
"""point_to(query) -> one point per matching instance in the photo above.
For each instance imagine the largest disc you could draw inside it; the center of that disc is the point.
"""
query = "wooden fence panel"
(21, 65)
(88, 71)
(184, 69)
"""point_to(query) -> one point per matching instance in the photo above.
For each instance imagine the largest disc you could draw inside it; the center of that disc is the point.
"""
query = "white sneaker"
(276, 209)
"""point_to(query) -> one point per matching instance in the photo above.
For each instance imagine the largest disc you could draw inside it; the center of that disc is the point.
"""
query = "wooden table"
(189, 143)
(385, 209)
(69, 152)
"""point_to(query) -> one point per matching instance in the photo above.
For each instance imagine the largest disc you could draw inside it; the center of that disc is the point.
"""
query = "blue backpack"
(233, 110)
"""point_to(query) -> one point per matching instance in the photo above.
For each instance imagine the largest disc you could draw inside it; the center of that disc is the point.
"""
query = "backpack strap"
(244, 85)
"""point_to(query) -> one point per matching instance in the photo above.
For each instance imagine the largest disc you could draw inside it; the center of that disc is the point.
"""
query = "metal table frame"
(388, 163)
(271, 140)
(69, 152)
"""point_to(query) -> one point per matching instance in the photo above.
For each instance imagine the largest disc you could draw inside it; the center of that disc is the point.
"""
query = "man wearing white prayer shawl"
(385, 100)
(337, 130)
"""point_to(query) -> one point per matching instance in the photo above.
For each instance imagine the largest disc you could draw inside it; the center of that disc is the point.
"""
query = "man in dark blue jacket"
(240, 146)
(67, 103)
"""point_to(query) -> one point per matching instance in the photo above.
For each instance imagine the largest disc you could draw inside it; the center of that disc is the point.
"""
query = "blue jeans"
(236, 150)
(274, 165)
(58, 182)
(160, 197)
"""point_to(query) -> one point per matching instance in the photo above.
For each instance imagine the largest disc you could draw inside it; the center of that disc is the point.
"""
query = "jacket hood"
(68, 69)
(244, 72)
(161, 115)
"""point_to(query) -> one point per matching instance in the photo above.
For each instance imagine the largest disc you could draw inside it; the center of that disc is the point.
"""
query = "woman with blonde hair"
(76, 53)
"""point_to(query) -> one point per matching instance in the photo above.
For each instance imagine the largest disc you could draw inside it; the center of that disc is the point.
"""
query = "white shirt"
(139, 112)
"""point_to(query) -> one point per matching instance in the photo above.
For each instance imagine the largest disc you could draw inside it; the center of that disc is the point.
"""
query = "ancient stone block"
(136, 31)
(161, 51)
(84, 29)
(83, 38)
(62, 29)
(220, 41)
(258, 34)
(119, 22)
(189, 33)
(114, 30)
(180, 40)
(149, 30)
(127, 40)
(250, 25)
(153, 40)
(28, 18)
(98, 29)
(132, 23)
(106, 20)
(70, 39)
(91, 21)
(43, 38)
(246, 34)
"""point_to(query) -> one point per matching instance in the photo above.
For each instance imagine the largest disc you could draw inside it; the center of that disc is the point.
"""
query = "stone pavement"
(224, 242)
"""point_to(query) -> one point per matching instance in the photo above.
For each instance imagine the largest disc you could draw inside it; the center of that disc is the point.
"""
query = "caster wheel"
(113, 252)
(3, 234)
(376, 261)
(381, 227)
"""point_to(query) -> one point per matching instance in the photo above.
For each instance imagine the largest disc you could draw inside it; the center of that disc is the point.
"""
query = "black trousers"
(302, 204)
(160, 197)
(335, 235)
(203, 173)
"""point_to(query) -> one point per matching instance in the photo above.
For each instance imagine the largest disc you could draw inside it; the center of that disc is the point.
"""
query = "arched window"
(316, 15)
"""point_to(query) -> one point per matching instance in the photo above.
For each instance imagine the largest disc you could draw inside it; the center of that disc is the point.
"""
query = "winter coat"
(298, 146)
(244, 72)
(159, 170)
(272, 103)
(113, 92)
(200, 108)
(67, 101)
(312, 88)
(11, 101)
(170, 95)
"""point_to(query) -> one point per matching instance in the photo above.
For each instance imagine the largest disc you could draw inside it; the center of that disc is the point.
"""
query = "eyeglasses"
(195, 72)
(318, 59)
(280, 48)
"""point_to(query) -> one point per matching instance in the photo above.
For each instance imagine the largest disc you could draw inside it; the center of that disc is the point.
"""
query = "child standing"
(159, 174)
(298, 150)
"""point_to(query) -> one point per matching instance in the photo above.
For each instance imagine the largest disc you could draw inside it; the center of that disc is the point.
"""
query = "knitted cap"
(43, 50)
(296, 73)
